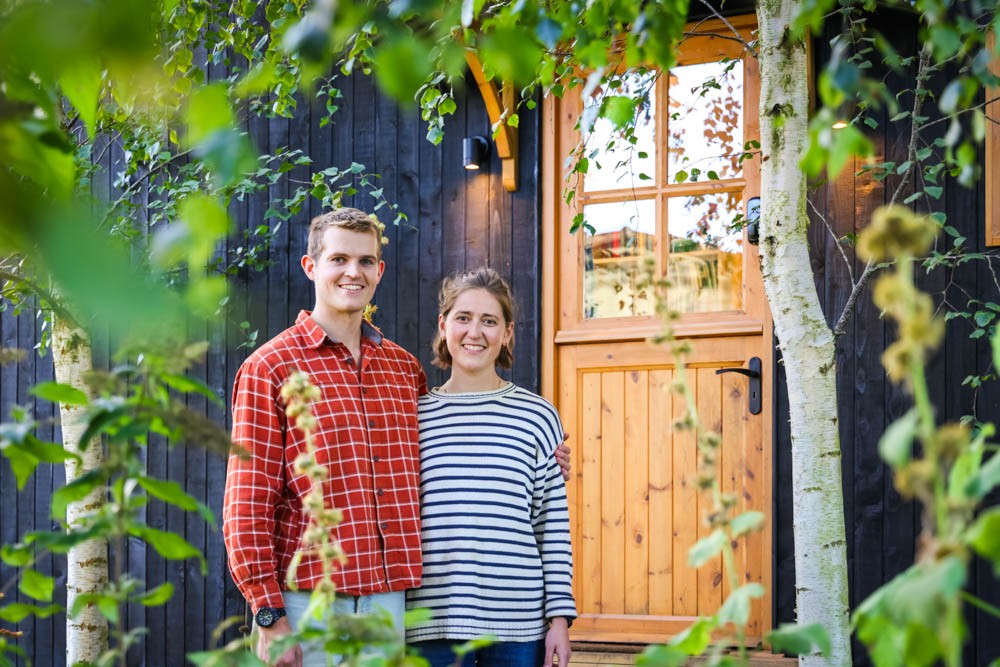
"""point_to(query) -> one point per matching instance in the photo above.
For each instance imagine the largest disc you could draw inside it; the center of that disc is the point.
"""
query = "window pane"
(705, 125)
(618, 258)
(620, 166)
(705, 266)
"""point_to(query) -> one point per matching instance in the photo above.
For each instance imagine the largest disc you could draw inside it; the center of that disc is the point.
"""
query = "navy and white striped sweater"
(495, 537)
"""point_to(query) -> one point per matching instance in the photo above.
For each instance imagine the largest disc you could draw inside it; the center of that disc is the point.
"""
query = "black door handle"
(753, 371)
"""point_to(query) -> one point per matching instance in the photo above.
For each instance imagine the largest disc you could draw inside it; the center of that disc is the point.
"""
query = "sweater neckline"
(467, 395)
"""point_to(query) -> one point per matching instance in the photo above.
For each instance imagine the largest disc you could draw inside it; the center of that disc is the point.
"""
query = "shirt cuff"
(265, 595)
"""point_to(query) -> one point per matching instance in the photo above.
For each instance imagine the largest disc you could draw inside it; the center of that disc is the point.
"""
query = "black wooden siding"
(459, 220)
(456, 220)
(882, 529)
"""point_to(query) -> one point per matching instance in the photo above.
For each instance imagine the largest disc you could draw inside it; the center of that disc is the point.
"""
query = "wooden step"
(624, 655)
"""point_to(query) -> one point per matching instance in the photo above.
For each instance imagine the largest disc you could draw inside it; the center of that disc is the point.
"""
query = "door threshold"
(601, 654)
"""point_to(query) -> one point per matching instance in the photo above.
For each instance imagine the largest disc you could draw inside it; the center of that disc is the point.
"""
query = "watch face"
(266, 617)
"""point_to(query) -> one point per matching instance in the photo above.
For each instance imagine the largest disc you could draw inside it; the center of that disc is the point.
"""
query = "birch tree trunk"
(805, 339)
(87, 563)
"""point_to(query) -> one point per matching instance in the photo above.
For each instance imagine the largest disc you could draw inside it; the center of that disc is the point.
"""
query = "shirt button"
(371, 423)
(376, 459)
(380, 492)
(364, 390)
(385, 525)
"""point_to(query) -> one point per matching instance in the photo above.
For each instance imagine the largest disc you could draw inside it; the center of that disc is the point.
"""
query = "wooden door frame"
(556, 116)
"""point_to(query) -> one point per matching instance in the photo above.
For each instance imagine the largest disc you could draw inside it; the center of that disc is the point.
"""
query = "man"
(366, 434)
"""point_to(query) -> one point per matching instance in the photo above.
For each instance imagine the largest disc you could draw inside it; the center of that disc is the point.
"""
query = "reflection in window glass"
(618, 259)
(706, 119)
(705, 266)
(619, 167)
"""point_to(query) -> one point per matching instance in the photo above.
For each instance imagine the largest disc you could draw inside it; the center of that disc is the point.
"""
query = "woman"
(495, 537)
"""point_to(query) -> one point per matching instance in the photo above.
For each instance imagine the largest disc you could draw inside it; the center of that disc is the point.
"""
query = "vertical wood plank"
(591, 491)
(613, 491)
(732, 464)
(568, 403)
(523, 229)
(477, 184)
(453, 182)
(637, 437)
(661, 562)
(410, 311)
(710, 574)
(685, 504)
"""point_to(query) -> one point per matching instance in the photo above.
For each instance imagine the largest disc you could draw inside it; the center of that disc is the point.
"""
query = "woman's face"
(475, 331)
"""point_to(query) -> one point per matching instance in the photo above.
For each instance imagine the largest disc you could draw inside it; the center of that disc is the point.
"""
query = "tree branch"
(840, 247)
(911, 154)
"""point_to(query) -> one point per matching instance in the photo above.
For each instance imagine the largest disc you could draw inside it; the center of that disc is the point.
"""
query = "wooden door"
(634, 503)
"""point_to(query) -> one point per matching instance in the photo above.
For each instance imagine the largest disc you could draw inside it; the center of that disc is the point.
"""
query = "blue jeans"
(440, 653)
(297, 601)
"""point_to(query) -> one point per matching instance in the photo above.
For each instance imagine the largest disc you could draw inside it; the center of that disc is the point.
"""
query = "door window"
(673, 212)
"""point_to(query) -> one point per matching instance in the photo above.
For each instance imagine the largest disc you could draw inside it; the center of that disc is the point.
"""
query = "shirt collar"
(315, 336)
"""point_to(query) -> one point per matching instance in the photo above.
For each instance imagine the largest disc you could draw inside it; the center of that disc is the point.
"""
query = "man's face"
(346, 271)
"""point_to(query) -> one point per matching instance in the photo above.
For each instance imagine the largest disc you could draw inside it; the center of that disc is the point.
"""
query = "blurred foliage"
(141, 400)
(917, 618)
(159, 93)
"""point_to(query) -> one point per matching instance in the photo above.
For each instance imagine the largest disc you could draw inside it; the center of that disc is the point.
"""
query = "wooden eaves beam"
(498, 103)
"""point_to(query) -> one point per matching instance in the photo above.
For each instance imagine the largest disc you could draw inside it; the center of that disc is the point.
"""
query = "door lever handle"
(753, 371)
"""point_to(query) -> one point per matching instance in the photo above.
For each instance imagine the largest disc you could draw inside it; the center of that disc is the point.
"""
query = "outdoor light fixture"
(474, 151)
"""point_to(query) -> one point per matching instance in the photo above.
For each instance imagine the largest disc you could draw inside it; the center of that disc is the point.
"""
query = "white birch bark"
(805, 339)
(87, 563)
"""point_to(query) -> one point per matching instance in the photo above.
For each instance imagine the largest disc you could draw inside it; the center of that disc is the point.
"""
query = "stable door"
(669, 203)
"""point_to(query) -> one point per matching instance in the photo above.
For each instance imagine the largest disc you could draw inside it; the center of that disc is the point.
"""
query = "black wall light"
(474, 152)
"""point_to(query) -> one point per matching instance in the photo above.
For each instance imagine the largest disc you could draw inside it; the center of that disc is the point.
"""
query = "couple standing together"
(452, 498)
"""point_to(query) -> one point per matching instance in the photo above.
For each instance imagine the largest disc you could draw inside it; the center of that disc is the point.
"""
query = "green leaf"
(934, 191)
(208, 111)
(989, 476)
(401, 64)
(995, 347)
(16, 555)
(75, 491)
(799, 639)
(747, 522)
(59, 393)
(169, 545)
(17, 612)
(706, 548)
(22, 463)
(172, 492)
(414, 616)
(157, 596)
(984, 317)
(620, 110)
(847, 143)
(896, 444)
(984, 537)
(36, 585)
(695, 639)
(661, 655)
(187, 385)
(81, 83)
(736, 608)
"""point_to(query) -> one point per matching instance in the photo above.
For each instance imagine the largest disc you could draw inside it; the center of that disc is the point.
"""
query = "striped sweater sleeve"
(550, 521)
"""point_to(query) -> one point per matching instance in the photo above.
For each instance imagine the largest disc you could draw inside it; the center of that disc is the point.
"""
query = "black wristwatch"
(268, 616)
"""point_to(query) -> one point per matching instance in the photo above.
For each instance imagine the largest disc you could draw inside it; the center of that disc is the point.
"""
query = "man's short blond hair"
(350, 219)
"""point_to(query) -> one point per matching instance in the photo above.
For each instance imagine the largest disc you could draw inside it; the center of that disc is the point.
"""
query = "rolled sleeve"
(254, 482)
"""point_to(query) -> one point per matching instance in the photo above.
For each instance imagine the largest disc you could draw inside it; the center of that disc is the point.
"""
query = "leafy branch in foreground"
(138, 401)
(713, 636)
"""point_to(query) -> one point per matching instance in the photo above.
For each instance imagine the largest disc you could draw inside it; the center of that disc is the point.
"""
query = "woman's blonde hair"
(453, 287)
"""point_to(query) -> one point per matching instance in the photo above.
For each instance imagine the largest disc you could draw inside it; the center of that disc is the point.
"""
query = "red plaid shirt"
(366, 435)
